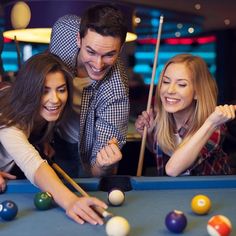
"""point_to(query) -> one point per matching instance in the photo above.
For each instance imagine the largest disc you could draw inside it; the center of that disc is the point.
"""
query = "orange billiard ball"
(219, 225)
(201, 204)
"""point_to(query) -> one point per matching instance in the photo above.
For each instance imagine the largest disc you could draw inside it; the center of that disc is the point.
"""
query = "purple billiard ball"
(176, 221)
(8, 210)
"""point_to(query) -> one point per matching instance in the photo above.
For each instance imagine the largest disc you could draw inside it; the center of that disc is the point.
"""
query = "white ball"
(117, 226)
(116, 197)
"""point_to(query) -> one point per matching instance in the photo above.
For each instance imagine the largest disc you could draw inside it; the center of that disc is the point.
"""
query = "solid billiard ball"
(117, 226)
(43, 200)
(116, 197)
(8, 210)
(176, 221)
(201, 204)
(219, 225)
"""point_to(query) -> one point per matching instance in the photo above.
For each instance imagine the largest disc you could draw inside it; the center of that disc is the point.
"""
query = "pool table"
(146, 206)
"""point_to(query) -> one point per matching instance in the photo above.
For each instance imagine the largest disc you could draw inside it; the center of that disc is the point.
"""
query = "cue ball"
(43, 200)
(116, 197)
(176, 221)
(219, 225)
(8, 210)
(117, 226)
(201, 204)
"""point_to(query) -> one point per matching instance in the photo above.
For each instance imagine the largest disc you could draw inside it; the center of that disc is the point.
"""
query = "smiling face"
(97, 54)
(54, 97)
(177, 90)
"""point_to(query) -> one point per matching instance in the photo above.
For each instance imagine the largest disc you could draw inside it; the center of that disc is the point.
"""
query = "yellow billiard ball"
(201, 204)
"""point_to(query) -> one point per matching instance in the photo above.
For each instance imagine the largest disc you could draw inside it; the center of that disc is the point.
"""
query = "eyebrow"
(179, 79)
(60, 86)
(111, 52)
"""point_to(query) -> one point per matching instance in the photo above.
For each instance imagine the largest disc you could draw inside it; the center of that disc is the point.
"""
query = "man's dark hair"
(104, 19)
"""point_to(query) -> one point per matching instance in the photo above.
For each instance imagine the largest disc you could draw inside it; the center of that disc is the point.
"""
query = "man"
(90, 46)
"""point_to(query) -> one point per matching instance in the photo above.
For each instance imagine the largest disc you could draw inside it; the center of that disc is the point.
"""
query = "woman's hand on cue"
(81, 210)
(145, 119)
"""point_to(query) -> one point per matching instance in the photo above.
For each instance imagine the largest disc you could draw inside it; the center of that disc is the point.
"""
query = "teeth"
(171, 99)
(96, 70)
(52, 108)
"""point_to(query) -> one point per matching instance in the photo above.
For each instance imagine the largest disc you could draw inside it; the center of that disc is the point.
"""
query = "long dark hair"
(20, 104)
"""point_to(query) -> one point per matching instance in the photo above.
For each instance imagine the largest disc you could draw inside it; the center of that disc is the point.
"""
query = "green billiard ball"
(43, 200)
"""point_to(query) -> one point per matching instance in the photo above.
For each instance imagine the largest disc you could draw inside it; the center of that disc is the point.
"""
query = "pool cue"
(18, 52)
(143, 144)
(59, 170)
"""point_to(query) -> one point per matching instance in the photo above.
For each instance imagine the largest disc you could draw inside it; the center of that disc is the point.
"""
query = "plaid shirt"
(105, 104)
(212, 160)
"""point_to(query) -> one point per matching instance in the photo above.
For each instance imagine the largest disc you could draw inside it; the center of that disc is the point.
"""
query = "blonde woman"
(186, 128)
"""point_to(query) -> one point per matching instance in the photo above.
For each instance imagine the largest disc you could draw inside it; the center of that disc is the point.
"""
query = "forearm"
(187, 154)
(47, 180)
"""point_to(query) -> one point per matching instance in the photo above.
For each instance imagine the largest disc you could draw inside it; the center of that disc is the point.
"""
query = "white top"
(15, 148)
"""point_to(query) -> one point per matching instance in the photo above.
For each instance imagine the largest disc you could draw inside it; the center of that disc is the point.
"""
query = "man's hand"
(109, 155)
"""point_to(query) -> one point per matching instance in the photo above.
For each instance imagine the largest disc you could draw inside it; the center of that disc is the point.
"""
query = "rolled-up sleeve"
(17, 147)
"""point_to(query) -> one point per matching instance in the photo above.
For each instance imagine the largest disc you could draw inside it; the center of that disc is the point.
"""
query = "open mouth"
(52, 109)
(96, 71)
(171, 100)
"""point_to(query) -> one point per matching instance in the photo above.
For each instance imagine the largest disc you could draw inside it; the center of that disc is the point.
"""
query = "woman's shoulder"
(12, 131)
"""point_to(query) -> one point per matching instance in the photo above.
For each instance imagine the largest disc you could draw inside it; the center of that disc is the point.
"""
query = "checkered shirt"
(104, 105)
(212, 160)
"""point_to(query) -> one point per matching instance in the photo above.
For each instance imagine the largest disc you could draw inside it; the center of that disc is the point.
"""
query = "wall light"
(31, 21)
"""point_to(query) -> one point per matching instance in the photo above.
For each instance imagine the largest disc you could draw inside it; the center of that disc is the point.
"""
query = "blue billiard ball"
(8, 210)
(176, 221)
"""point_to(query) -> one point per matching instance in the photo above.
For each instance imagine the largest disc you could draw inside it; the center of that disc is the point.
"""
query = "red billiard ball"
(43, 200)
(8, 210)
(219, 225)
(176, 221)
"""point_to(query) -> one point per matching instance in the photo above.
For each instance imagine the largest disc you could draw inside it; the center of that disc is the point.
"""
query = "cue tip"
(161, 19)
(102, 212)
(107, 214)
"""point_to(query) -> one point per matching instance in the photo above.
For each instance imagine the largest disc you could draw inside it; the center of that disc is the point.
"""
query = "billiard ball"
(219, 225)
(8, 210)
(176, 221)
(117, 226)
(43, 200)
(201, 204)
(116, 197)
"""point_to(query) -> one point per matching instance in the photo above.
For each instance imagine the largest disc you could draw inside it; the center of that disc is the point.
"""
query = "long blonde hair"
(206, 99)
